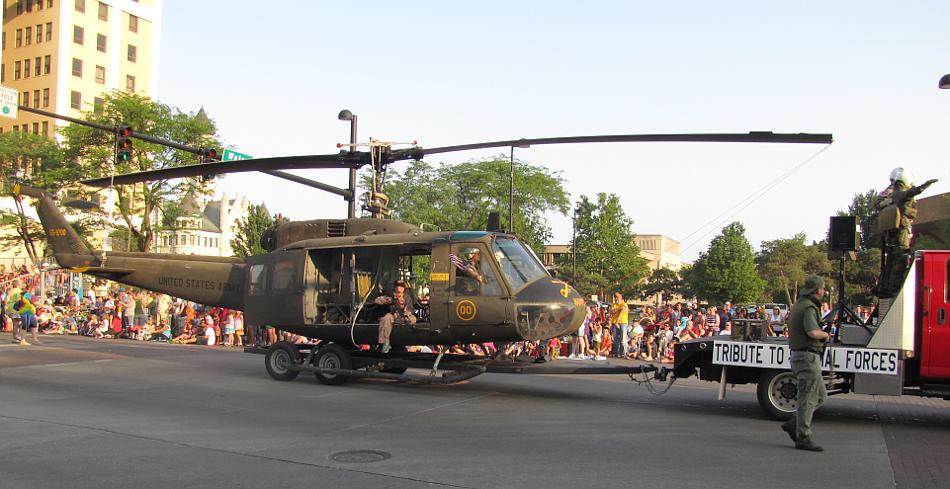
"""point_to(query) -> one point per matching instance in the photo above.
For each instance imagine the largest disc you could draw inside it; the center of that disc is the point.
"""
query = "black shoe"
(807, 444)
(790, 431)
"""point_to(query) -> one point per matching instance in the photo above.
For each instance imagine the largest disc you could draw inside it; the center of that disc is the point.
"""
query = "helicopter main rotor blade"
(751, 137)
(341, 160)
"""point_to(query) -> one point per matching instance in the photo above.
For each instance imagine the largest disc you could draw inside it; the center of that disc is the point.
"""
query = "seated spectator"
(186, 337)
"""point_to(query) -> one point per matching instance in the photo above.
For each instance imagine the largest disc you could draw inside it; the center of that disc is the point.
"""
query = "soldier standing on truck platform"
(807, 342)
(900, 195)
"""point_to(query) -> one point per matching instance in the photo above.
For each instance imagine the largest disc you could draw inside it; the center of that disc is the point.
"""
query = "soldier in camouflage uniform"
(901, 194)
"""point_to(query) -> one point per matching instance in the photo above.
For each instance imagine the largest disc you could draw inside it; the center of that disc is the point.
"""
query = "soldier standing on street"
(807, 342)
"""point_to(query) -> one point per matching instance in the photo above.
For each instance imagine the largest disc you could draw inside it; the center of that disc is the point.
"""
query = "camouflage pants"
(811, 390)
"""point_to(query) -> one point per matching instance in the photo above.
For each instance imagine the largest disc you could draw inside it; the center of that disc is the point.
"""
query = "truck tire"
(279, 359)
(777, 393)
(332, 356)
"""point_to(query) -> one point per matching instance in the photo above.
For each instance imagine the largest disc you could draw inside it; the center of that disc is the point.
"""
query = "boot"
(385, 349)
(807, 444)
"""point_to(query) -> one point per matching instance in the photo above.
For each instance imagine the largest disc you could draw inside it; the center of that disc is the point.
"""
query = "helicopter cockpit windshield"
(517, 263)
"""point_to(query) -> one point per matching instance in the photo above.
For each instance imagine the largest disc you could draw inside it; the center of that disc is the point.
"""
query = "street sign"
(231, 155)
(9, 98)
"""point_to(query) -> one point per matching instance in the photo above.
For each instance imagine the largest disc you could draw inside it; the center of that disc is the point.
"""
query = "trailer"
(903, 350)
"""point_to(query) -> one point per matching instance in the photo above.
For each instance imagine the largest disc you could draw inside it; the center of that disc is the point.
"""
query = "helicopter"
(319, 278)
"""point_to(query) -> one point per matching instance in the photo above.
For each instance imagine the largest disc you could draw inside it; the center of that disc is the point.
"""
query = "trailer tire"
(332, 356)
(278, 360)
(777, 393)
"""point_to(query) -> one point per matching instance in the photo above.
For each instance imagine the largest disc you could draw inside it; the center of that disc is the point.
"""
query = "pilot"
(401, 306)
(901, 193)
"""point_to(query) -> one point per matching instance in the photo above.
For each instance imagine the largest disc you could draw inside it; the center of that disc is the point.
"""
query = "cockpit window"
(518, 264)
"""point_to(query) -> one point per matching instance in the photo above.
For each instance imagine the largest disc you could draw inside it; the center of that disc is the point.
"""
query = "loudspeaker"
(494, 222)
(844, 234)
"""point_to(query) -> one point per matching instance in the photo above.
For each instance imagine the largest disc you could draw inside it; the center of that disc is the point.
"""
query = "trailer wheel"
(778, 394)
(332, 356)
(279, 359)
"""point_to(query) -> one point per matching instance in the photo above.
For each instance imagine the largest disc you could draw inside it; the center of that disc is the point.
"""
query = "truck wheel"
(332, 356)
(279, 359)
(778, 394)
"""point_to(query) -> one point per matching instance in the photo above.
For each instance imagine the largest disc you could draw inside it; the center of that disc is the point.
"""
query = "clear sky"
(274, 75)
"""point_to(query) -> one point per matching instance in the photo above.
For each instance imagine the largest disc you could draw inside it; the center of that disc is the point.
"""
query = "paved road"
(78, 413)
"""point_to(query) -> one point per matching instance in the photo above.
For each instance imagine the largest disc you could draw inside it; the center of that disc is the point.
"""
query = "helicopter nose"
(548, 308)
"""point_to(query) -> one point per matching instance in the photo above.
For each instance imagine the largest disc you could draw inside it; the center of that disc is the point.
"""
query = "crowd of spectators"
(116, 313)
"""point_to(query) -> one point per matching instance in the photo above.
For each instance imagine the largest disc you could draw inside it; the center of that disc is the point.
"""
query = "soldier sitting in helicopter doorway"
(402, 304)
(898, 208)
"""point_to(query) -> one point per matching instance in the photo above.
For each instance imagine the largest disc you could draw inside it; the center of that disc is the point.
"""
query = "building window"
(26, 99)
(100, 74)
(16, 70)
(75, 100)
(49, 3)
(19, 37)
(36, 66)
(46, 128)
(97, 105)
(36, 98)
(39, 4)
(39, 33)
(130, 83)
(133, 53)
(80, 5)
(26, 68)
(101, 42)
(103, 11)
(3, 73)
(133, 23)
(4, 37)
(36, 128)
(45, 97)
(49, 31)
(77, 67)
(47, 63)
(28, 33)
(77, 34)
(19, 7)
(29, 5)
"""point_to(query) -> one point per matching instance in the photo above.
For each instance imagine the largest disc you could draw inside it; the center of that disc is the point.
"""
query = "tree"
(785, 263)
(34, 160)
(726, 271)
(453, 197)
(247, 241)
(664, 283)
(607, 256)
(91, 151)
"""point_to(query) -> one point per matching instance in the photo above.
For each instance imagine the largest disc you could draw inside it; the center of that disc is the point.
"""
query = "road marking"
(73, 363)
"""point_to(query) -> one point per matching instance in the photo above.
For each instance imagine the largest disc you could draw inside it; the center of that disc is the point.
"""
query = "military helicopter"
(320, 277)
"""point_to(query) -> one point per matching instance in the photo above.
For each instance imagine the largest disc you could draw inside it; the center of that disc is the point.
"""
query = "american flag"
(457, 261)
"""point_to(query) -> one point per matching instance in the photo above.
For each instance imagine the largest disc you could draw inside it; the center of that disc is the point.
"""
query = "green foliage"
(459, 197)
(91, 152)
(608, 259)
(662, 284)
(726, 271)
(37, 161)
(785, 263)
(247, 241)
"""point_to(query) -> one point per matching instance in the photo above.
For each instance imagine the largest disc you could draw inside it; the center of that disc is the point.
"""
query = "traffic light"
(123, 144)
(208, 154)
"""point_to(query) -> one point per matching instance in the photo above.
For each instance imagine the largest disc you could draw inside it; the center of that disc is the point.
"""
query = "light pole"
(511, 185)
(944, 82)
(574, 249)
(346, 115)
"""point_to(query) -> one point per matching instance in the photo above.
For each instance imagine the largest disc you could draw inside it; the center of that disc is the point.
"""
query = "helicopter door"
(275, 288)
(476, 297)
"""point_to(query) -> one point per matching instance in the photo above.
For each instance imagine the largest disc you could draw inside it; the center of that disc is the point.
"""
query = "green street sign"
(231, 155)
